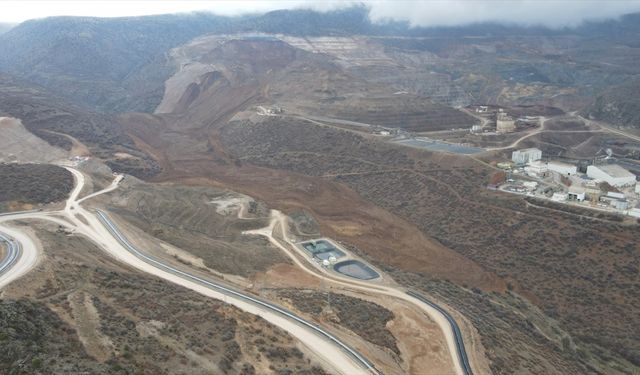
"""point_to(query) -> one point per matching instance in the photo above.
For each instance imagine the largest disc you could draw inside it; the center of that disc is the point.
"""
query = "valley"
(305, 192)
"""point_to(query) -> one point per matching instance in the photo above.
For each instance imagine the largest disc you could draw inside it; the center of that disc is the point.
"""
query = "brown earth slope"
(426, 218)
(54, 120)
(570, 267)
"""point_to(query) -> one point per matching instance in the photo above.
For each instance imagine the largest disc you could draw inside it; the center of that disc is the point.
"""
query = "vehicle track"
(103, 231)
(440, 316)
(232, 292)
(330, 349)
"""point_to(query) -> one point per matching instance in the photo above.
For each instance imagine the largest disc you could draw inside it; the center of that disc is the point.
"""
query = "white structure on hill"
(504, 123)
(536, 168)
(562, 168)
(526, 155)
(613, 174)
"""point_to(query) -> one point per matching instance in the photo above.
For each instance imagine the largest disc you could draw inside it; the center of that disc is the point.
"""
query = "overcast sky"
(423, 13)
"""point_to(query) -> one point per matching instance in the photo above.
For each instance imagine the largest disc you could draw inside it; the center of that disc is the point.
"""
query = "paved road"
(13, 252)
(346, 360)
(462, 352)
(22, 254)
(98, 228)
(365, 363)
(444, 320)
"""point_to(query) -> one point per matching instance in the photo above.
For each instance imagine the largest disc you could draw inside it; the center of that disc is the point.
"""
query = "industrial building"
(635, 212)
(615, 201)
(536, 168)
(504, 123)
(613, 174)
(564, 169)
(576, 193)
(526, 155)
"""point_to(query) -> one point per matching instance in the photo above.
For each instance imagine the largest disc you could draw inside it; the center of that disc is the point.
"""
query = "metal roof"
(614, 170)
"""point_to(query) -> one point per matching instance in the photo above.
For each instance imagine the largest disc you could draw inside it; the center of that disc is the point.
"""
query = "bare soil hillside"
(216, 70)
(19, 145)
(54, 120)
(398, 207)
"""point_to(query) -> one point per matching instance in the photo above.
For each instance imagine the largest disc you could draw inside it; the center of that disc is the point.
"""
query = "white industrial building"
(562, 168)
(576, 193)
(536, 168)
(617, 203)
(615, 194)
(635, 212)
(526, 155)
(613, 174)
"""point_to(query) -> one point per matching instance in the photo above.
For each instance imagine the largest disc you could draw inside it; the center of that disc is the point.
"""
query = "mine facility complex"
(331, 257)
(601, 186)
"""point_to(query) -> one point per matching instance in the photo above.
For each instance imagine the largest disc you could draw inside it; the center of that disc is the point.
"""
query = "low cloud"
(550, 13)
(524, 12)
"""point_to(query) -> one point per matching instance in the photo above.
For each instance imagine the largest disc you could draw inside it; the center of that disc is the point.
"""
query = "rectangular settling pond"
(433, 145)
(322, 249)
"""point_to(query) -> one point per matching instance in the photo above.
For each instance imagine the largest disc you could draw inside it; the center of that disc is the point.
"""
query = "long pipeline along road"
(13, 252)
(97, 227)
(441, 317)
(462, 352)
(105, 233)
(21, 255)
(354, 354)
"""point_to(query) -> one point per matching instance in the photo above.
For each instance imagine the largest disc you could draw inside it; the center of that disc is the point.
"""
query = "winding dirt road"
(88, 224)
(279, 222)
(83, 222)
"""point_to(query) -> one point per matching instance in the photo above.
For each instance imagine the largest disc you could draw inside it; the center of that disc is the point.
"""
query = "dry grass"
(578, 271)
(153, 326)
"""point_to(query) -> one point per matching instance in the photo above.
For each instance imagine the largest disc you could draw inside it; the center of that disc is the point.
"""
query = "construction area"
(601, 186)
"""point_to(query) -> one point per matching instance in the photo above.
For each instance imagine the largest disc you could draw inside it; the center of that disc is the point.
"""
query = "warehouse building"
(526, 155)
(536, 168)
(613, 174)
(576, 193)
(564, 169)
(617, 203)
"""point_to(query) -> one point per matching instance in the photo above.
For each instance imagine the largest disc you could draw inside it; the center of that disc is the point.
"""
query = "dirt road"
(278, 222)
(82, 222)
